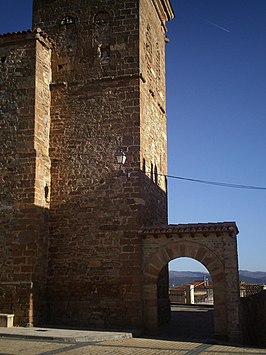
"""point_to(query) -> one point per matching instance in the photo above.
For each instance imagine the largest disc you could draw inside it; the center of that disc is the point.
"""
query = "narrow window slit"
(46, 192)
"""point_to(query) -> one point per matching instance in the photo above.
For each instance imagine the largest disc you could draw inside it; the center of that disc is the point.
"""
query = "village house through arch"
(83, 241)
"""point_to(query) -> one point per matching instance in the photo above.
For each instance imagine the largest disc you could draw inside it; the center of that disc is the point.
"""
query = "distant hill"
(177, 278)
(252, 277)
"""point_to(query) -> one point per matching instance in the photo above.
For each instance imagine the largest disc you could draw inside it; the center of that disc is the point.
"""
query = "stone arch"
(102, 18)
(101, 35)
(194, 250)
(214, 251)
(67, 40)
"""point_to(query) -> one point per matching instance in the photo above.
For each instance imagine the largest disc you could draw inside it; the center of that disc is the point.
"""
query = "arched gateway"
(212, 244)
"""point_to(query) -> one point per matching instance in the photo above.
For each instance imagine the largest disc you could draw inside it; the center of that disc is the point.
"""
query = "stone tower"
(96, 73)
(25, 76)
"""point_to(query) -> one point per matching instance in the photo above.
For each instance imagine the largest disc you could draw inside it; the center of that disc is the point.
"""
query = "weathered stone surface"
(253, 322)
(69, 216)
(25, 169)
(6, 320)
(89, 79)
(216, 250)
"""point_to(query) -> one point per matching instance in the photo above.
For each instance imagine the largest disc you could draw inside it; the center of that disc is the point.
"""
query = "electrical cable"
(215, 183)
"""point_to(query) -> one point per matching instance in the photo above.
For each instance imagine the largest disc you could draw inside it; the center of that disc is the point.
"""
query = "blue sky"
(216, 107)
(216, 83)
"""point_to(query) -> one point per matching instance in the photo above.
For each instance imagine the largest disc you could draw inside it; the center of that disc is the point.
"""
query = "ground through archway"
(190, 293)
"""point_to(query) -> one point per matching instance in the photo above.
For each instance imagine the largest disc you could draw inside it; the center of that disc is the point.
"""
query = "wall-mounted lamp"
(121, 159)
(120, 156)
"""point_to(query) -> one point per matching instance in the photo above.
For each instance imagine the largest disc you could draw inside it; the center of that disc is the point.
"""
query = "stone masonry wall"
(94, 254)
(152, 113)
(153, 130)
(17, 119)
(42, 124)
(213, 245)
(23, 229)
(95, 267)
(253, 322)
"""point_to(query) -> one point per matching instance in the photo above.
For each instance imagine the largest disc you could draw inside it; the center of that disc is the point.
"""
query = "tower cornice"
(164, 9)
(168, 9)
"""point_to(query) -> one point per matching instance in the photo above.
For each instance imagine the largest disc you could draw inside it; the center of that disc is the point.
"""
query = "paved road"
(189, 333)
(134, 346)
(189, 323)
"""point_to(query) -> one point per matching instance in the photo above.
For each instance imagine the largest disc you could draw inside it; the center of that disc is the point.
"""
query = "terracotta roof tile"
(38, 33)
(192, 228)
(15, 33)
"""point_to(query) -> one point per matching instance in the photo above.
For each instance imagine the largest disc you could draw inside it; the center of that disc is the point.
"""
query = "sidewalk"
(189, 333)
(62, 335)
(132, 346)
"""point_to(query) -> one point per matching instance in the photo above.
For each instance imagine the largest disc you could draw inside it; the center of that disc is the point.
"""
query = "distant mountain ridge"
(177, 278)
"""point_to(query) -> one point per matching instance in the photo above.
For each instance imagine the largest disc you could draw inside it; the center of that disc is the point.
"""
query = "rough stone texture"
(253, 320)
(94, 272)
(24, 164)
(6, 320)
(89, 79)
(61, 134)
(213, 245)
(153, 148)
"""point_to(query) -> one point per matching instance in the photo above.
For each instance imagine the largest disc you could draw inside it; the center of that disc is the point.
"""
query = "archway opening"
(188, 312)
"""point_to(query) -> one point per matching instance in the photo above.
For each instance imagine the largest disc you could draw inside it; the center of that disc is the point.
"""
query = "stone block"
(6, 320)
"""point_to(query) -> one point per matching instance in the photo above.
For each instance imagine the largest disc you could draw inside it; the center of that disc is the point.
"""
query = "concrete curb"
(62, 335)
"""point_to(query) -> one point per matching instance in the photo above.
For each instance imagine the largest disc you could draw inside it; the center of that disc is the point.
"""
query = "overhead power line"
(216, 183)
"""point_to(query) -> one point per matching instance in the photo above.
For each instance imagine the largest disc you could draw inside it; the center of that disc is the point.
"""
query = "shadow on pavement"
(189, 323)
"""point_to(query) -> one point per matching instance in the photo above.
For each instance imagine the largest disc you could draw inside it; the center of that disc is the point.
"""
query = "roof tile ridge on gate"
(191, 227)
